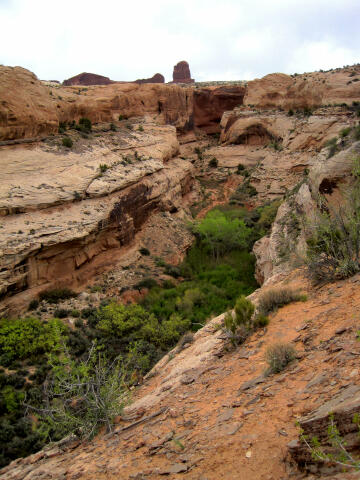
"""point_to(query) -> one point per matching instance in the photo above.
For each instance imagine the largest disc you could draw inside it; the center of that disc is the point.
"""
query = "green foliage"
(144, 251)
(276, 145)
(113, 127)
(67, 142)
(221, 234)
(275, 298)
(240, 169)
(103, 167)
(290, 112)
(278, 356)
(243, 192)
(56, 294)
(29, 337)
(141, 128)
(333, 243)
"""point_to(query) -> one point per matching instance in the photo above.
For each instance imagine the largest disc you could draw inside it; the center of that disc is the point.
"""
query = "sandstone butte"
(202, 412)
(181, 73)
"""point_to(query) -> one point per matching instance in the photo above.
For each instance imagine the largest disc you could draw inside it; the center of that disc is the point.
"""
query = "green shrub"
(144, 251)
(85, 125)
(67, 142)
(278, 356)
(274, 298)
(260, 321)
(84, 396)
(345, 132)
(33, 304)
(146, 283)
(141, 128)
(213, 163)
(103, 167)
(57, 294)
(23, 338)
(290, 112)
(244, 310)
(61, 313)
(240, 169)
(333, 246)
(113, 127)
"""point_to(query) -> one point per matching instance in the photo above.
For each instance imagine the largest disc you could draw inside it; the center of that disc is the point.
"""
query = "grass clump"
(274, 298)
(278, 356)
(213, 163)
(144, 251)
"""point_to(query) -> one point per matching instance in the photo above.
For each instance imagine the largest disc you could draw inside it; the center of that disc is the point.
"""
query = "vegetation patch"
(275, 298)
(278, 356)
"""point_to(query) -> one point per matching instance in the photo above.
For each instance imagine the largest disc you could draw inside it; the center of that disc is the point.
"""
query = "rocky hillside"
(156, 157)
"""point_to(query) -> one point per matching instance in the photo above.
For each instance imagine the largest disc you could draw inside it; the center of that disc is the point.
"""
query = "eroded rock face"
(87, 79)
(71, 219)
(343, 408)
(306, 90)
(181, 73)
(157, 78)
(210, 103)
(29, 108)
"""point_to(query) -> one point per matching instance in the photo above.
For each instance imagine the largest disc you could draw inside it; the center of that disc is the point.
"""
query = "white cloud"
(230, 39)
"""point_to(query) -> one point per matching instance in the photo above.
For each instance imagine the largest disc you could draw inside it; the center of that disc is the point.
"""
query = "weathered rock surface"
(29, 108)
(72, 217)
(306, 90)
(181, 73)
(87, 79)
(342, 409)
(210, 103)
(157, 78)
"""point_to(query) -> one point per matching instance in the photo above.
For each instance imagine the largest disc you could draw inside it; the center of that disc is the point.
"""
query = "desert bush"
(103, 167)
(33, 304)
(67, 142)
(144, 251)
(345, 132)
(85, 125)
(113, 127)
(333, 243)
(213, 163)
(61, 313)
(83, 396)
(56, 294)
(274, 298)
(140, 128)
(278, 356)
(187, 338)
(237, 325)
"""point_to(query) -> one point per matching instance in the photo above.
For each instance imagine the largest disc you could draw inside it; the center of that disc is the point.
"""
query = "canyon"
(78, 217)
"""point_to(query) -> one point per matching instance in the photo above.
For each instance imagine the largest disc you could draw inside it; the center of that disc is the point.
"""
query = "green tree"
(221, 234)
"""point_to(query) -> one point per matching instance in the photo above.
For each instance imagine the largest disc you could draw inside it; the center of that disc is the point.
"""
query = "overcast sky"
(221, 39)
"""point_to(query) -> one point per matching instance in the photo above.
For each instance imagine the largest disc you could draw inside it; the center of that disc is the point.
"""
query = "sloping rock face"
(87, 79)
(342, 409)
(157, 78)
(181, 73)
(71, 217)
(29, 108)
(306, 90)
(210, 103)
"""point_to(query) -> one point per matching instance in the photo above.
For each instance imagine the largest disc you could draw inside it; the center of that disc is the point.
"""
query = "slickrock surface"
(204, 413)
(61, 212)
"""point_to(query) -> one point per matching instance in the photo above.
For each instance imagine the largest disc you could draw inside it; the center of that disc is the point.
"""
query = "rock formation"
(181, 73)
(211, 102)
(157, 78)
(31, 109)
(87, 79)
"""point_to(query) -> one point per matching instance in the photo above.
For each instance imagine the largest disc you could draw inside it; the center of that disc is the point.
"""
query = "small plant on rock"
(278, 356)
(67, 142)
